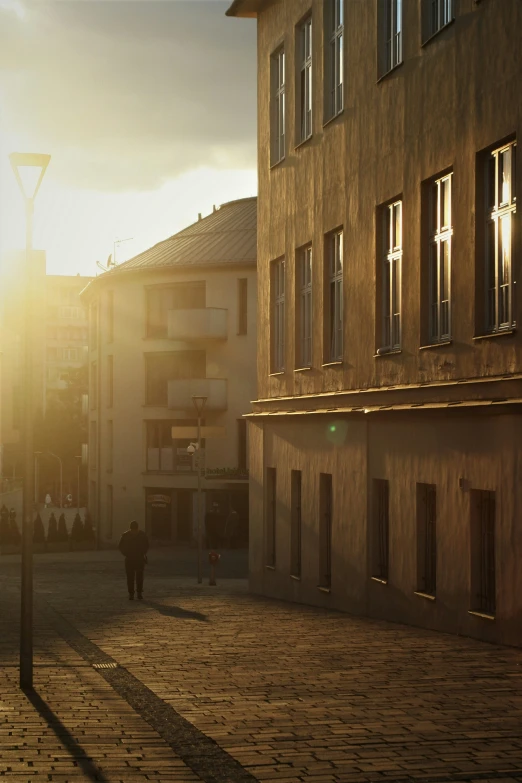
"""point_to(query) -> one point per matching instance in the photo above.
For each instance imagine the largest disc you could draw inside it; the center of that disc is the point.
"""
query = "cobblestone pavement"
(289, 693)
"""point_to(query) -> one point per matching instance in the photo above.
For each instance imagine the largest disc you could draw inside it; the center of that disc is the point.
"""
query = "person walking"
(134, 546)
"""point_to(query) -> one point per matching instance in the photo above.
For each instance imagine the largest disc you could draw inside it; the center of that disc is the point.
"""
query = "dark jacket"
(134, 546)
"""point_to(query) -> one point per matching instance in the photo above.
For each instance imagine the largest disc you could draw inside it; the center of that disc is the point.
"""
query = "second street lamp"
(29, 169)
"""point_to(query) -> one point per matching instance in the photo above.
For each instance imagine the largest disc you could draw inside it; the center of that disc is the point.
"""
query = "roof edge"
(245, 9)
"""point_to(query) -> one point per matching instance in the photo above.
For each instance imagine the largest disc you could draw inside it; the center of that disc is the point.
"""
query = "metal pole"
(78, 498)
(200, 577)
(26, 617)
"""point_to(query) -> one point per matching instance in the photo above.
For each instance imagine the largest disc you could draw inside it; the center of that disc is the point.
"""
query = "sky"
(147, 108)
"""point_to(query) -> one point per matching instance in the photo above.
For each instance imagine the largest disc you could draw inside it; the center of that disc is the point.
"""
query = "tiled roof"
(226, 236)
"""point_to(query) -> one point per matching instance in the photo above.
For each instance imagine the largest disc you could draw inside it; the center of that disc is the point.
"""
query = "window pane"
(505, 245)
(504, 176)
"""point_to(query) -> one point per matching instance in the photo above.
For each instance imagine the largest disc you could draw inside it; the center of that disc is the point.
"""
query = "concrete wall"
(456, 453)
(232, 359)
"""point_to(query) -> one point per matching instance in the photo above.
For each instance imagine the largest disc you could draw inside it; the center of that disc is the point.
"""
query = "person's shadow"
(177, 612)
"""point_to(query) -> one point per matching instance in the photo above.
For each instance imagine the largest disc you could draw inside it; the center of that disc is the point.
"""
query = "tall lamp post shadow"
(29, 169)
(199, 404)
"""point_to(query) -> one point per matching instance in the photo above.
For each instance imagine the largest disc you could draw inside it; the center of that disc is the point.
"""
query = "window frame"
(304, 80)
(427, 539)
(277, 316)
(334, 297)
(304, 307)
(440, 235)
(277, 106)
(429, 29)
(334, 65)
(495, 214)
(391, 288)
(380, 544)
(483, 571)
(390, 36)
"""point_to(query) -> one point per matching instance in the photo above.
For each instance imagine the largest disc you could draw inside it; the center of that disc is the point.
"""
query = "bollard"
(213, 559)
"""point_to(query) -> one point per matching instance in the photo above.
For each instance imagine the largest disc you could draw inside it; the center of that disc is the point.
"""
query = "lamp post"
(36, 476)
(29, 169)
(78, 490)
(199, 404)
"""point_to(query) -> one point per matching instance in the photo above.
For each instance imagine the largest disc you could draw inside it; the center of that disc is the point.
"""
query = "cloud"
(128, 95)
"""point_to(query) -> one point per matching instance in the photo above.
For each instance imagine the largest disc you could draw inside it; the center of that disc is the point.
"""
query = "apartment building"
(384, 441)
(174, 322)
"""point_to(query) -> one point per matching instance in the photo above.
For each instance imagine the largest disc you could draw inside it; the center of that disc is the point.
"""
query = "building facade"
(175, 321)
(384, 441)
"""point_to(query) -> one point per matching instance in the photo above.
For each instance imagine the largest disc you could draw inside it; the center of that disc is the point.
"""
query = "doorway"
(159, 514)
(184, 515)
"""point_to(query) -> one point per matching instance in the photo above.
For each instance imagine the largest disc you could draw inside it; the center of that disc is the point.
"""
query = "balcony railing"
(209, 323)
(183, 390)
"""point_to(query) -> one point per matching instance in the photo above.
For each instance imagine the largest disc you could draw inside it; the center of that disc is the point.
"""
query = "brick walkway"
(290, 693)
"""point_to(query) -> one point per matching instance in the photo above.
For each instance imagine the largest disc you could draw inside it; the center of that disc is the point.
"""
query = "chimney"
(199, 215)
(213, 208)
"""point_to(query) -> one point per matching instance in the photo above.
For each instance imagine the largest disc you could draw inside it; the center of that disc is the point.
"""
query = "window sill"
(492, 335)
(296, 578)
(270, 568)
(441, 344)
(303, 142)
(427, 596)
(436, 33)
(275, 374)
(384, 76)
(277, 163)
(386, 352)
(483, 615)
(303, 369)
(327, 590)
(333, 364)
(379, 580)
(332, 119)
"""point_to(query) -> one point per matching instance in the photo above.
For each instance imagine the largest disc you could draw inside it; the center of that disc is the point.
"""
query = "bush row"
(81, 530)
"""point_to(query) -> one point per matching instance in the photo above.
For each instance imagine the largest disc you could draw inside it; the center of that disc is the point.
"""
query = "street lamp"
(199, 404)
(29, 169)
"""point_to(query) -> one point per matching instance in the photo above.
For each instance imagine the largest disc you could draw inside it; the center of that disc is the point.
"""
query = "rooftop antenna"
(111, 261)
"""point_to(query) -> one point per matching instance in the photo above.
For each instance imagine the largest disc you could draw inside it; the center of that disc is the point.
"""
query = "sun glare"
(15, 6)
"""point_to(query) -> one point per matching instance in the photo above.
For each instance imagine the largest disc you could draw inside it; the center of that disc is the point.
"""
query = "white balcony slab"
(210, 323)
(181, 392)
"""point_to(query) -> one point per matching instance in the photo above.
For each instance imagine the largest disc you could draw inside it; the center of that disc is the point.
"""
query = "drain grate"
(110, 665)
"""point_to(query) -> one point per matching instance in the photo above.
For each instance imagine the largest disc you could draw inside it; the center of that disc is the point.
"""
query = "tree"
(38, 530)
(52, 530)
(63, 534)
(77, 528)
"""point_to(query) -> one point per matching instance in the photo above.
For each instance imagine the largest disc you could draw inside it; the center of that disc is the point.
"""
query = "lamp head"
(29, 169)
(199, 403)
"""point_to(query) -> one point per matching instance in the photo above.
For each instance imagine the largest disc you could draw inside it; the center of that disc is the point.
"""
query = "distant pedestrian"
(134, 546)
(232, 528)
(48, 500)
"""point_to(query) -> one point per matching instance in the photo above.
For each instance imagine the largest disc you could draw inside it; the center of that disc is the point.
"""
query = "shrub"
(63, 534)
(15, 536)
(77, 529)
(88, 530)
(52, 530)
(38, 530)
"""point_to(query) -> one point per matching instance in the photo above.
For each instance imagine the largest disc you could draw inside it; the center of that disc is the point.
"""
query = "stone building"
(175, 321)
(385, 438)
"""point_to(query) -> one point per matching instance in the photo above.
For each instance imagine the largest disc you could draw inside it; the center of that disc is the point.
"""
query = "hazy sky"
(148, 108)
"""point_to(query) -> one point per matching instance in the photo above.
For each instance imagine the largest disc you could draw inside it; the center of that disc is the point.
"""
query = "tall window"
(304, 43)
(161, 299)
(270, 516)
(436, 14)
(441, 232)
(325, 530)
(304, 307)
(295, 533)
(278, 315)
(426, 538)
(110, 316)
(483, 571)
(334, 301)
(391, 277)
(380, 532)
(500, 216)
(278, 115)
(242, 305)
(242, 461)
(110, 445)
(110, 381)
(390, 35)
(334, 49)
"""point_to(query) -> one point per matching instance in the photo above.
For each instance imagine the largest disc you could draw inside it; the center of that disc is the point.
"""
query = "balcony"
(210, 323)
(181, 392)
